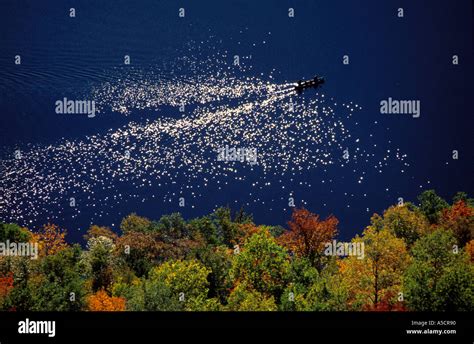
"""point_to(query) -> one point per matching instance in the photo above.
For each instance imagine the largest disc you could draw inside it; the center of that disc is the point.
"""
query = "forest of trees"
(417, 258)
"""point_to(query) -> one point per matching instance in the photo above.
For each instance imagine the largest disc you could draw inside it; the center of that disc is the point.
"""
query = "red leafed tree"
(460, 220)
(387, 303)
(308, 234)
(6, 285)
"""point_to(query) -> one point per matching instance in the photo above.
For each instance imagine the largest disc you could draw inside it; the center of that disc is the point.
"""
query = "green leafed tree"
(404, 221)
(440, 278)
(310, 290)
(207, 228)
(135, 223)
(219, 261)
(171, 227)
(22, 296)
(186, 279)
(148, 294)
(262, 265)
(13, 233)
(431, 205)
(61, 286)
(244, 298)
(99, 262)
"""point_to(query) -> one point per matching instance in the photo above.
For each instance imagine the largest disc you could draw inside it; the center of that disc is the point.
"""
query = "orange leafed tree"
(50, 239)
(101, 301)
(460, 220)
(470, 250)
(245, 231)
(308, 234)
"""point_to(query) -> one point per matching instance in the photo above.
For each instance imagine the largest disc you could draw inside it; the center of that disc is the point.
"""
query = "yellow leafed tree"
(377, 277)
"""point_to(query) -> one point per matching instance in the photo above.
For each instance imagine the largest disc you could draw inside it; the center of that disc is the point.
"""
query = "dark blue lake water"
(161, 118)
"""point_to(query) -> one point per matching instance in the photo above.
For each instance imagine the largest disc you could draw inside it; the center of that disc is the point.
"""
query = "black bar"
(346, 325)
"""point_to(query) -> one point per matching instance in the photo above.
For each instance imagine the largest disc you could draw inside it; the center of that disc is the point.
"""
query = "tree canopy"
(409, 258)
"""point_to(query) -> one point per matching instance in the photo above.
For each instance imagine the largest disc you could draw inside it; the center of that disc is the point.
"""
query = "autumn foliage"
(470, 250)
(6, 285)
(409, 258)
(386, 304)
(307, 234)
(50, 239)
(101, 301)
(374, 280)
(460, 219)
